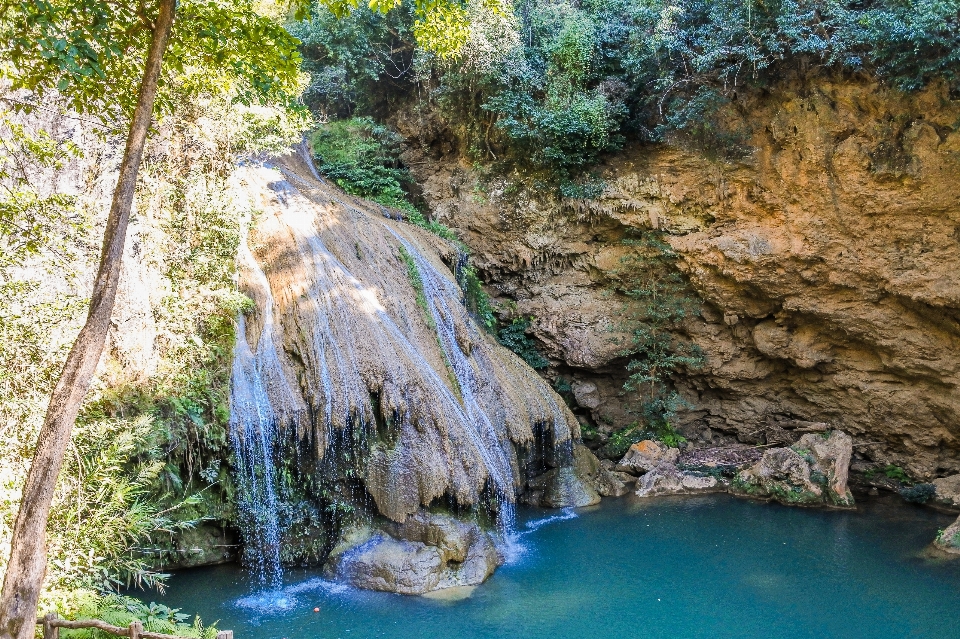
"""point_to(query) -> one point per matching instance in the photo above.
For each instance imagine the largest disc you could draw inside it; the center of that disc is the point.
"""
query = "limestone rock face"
(828, 262)
(947, 491)
(667, 479)
(645, 456)
(813, 472)
(427, 552)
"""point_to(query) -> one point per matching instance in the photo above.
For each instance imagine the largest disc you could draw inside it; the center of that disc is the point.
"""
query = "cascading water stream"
(436, 290)
(254, 425)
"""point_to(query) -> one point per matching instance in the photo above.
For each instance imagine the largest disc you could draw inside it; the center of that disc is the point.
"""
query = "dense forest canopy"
(556, 84)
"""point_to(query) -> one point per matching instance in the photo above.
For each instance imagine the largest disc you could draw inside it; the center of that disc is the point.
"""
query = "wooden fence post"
(225, 634)
(136, 630)
(49, 630)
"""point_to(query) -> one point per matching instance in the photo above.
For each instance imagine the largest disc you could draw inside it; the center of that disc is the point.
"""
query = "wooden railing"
(52, 625)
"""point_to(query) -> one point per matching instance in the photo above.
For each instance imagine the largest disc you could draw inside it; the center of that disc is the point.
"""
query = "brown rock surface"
(667, 479)
(947, 491)
(829, 263)
(645, 456)
(812, 472)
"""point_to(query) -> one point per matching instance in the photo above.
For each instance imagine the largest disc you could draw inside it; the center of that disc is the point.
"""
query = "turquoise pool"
(711, 567)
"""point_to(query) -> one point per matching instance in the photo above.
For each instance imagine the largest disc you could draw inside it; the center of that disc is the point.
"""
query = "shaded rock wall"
(828, 261)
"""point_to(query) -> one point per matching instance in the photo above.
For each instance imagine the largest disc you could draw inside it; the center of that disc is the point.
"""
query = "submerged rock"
(812, 472)
(667, 479)
(427, 552)
(644, 456)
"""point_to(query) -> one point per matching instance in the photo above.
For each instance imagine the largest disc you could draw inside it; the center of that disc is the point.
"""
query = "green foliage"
(413, 274)
(548, 87)
(416, 218)
(440, 26)
(621, 440)
(363, 158)
(348, 57)
(514, 337)
(92, 53)
(896, 473)
(918, 493)
(111, 509)
(31, 218)
(474, 297)
(660, 301)
(118, 610)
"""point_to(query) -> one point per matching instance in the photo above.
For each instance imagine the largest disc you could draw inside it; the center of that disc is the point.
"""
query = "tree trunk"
(28, 552)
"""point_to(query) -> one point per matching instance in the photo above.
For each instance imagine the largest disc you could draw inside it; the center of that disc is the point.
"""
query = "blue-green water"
(686, 567)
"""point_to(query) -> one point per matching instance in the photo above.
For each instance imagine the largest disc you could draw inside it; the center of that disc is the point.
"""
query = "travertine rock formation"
(828, 261)
(371, 357)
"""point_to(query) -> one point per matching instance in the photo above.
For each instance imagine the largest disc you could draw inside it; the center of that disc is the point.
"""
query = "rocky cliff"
(828, 262)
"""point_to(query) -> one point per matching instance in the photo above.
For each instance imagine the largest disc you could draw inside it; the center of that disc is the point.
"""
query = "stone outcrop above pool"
(667, 479)
(811, 472)
(427, 552)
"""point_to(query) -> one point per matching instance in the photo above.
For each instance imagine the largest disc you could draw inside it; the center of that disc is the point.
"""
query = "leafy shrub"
(119, 610)
(896, 473)
(514, 337)
(660, 301)
(363, 158)
(918, 493)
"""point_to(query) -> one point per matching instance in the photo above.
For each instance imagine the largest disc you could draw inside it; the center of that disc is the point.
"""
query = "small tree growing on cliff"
(661, 299)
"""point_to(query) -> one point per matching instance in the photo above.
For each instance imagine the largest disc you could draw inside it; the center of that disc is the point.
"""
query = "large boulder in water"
(561, 488)
(427, 552)
(667, 479)
(812, 472)
(644, 456)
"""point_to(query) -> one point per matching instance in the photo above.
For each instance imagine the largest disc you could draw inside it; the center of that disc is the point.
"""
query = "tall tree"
(86, 51)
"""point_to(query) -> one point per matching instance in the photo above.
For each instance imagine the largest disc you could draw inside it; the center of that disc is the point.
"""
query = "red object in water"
(316, 610)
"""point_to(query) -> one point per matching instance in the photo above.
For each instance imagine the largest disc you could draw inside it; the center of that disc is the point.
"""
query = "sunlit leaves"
(442, 27)
(92, 52)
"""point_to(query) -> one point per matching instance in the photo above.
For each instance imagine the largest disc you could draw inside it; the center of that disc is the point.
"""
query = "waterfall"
(488, 437)
(407, 397)
(254, 423)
